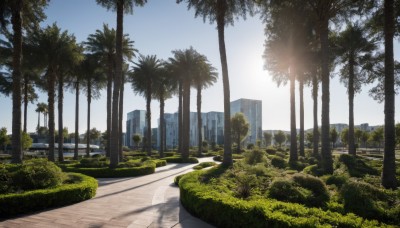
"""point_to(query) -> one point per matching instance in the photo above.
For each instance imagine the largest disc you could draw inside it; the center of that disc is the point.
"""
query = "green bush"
(204, 165)
(313, 170)
(160, 162)
(245, 184)
(286, 190)
(280, 154)
(297, 165)
(148, 167)
(237, 156)
(250, 146)
(253, 157)
(180, 160)
(37, 174)
(270, 151)
(169, 154)
(338, 180)
(5, 179)
(356, 166)
(370, 202)
(130, 163)
(278, 162)
(320, 194)
(207, 203)
(18, 203)
(177, 179)
(95, 162)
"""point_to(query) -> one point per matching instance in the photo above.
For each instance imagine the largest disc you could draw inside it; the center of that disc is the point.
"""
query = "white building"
(252, 110)
(135, 124)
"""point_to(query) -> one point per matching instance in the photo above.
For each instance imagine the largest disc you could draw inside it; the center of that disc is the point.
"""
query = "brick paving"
(147, 201)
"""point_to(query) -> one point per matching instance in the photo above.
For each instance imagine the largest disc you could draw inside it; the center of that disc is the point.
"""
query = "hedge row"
(29, 201)
(207, 204)
(180, 160)
(106, 172)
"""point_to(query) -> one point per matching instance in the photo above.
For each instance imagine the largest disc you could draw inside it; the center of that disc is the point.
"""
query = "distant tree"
(267, 138)
(357, 135)
(4, 138)
(26, 141)
(43, 132)
(136, 139)
(398, 134)
(344, 136)
(333, 136)
(364, 138)
(280, 138)
(309, 139)
(240, 128)
(65, 134)
(377, 137)
(94, 135)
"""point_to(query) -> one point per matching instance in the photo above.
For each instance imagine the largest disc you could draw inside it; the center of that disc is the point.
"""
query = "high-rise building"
(135, 124)
(252, 110)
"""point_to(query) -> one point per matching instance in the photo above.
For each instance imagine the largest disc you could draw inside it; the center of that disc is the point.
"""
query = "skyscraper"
(252, 110)
(135, 124)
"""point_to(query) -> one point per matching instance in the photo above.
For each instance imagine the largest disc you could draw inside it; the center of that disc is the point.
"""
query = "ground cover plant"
(38, 184)
(258, 191)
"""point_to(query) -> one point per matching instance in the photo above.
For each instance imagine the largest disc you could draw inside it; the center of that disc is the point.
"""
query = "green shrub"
(177, 178)
(338, 180)
(280, 154)
(180, 160)
(95, 162)
(37, 174)
(207, 203)
(313, 170)
(320, 194)
(253, 157)
(244, 184)
(270, 151)
(169, 154)
(297, 165)
(204, 165)
(218, 158)
(130, 163)
(5, 179)
(237, 156)
(356, 166)
(148, 167)
(160, 162)
(250, 146)
(278, 162)
(370, 202)
(285, 190)
(30, 201)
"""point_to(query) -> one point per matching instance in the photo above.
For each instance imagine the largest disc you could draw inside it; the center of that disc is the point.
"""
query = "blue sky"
(162, 26)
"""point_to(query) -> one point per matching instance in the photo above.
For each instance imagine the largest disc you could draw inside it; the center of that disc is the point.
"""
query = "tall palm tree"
(186, 63)
(223, 12)
(103, 43)
(143, 75)
(121, 7)
(40, 108)
(164, 86)
(205, 77)
(389, 165)
(53, 49)
(353, 50)
(94, 80)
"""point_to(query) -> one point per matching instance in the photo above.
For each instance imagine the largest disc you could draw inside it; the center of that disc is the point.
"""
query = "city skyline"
(245, 47)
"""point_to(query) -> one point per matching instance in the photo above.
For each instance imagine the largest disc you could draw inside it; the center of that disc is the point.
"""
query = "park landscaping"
(265, 189)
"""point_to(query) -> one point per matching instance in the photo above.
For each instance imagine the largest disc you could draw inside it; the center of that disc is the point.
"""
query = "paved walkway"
(147, 201)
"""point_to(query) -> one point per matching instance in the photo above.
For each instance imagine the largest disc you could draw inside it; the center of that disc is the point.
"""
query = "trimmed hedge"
(29, 201)
(106, 172)
(204, 165)
(160, 162)
(208, 203)
(180, 160)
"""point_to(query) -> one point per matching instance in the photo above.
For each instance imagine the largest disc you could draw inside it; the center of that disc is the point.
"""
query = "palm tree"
(186, 63)
(164, 86)
(120, 6)
(223, 12)
(389, 165)
(143, 75)
(40, 108)
(353, 50)
(205, 77)
(94, 80)
(53, 49)
(103, 43)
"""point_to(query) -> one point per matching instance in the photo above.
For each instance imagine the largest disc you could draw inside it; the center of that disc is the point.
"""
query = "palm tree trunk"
(89, 100)
(76, 120)
(301, 88)
(148, 118)
(109, 99)
(117, 83)
(180, 113)
(162, 126)
(51, 94)
(315, 114)
(38, 124)
(352, 148)
(326, 161)
(221, 9)
(121, 109)
(293, 133)
(389, 165)
(199, 120)
(16, 20)
(25, 101)
(186, 119)
(60, 118)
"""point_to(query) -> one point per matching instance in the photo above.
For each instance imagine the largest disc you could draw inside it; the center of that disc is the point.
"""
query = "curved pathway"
(146, 201)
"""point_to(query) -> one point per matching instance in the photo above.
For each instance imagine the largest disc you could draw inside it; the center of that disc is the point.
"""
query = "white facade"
(252, 110)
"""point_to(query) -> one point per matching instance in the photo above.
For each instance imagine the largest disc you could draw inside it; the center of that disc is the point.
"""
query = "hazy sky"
(162, 26)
